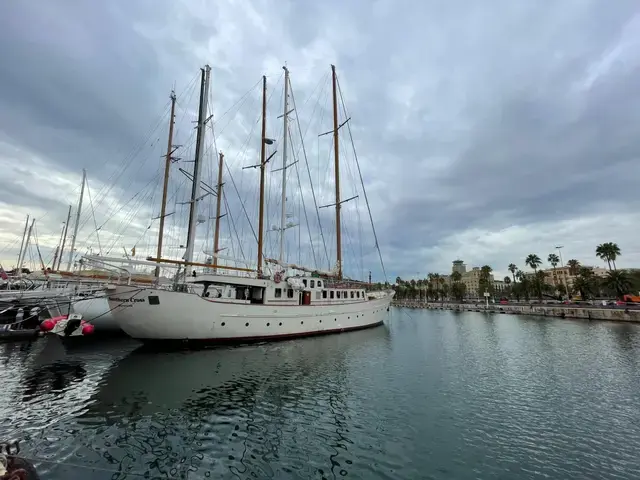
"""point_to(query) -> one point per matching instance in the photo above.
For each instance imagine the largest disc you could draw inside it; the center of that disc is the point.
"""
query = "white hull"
(95, 310)
(187, 316)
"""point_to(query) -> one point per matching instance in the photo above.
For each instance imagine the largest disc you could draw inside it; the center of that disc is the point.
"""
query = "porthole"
(280, 324)
(222, 324)
(320, 321)
(268, 324)
(348, 318)
(246, 324)
(335, 319)
(301, 323)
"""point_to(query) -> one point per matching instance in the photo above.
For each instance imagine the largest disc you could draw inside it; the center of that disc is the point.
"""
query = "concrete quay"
(585, 313)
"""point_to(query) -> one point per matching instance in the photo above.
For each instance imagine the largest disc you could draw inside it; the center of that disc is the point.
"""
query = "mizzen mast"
(263, 153)
(285, 143)
(216, 235)
(336, 152)
(167, 168)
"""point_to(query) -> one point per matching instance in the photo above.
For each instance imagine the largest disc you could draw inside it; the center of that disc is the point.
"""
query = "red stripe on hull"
(230, 340)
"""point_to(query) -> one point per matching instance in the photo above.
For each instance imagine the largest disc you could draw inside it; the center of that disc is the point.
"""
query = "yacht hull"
(95, 310)
(188, 318)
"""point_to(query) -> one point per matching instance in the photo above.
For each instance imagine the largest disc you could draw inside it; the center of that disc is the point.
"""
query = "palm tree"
(533, 261)
(507, 281)
(512, 268)
(619, 282)
(456, 276)
(554, 260)
(574, 266)
(585, 281)
(608, 252)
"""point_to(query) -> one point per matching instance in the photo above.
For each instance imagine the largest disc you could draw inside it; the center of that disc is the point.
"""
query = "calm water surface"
(431, 395)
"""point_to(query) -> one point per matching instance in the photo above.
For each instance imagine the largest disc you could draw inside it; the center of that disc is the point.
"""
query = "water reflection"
(436, 395)
(225, 411)
(52, 379)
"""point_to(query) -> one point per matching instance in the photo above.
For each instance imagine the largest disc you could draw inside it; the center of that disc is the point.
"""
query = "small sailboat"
(251, 304)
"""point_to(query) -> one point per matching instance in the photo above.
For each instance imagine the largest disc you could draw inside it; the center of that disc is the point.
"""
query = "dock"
(559, 311)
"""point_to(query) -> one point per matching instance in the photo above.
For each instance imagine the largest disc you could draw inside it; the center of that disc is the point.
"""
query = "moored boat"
(204, 305)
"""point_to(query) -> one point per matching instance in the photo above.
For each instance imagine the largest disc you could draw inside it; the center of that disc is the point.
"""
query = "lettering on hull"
(126, 300)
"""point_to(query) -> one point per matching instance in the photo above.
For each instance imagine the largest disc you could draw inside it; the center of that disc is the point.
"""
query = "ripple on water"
(434, 395)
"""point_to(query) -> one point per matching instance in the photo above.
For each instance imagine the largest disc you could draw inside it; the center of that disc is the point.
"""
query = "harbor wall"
(611, 314)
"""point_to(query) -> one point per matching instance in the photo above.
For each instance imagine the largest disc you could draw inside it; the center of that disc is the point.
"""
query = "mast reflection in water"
(432, 395)
(227, 409)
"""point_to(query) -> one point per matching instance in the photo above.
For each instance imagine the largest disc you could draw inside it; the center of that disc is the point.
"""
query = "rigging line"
(93, 212)
(134, 152)
(122, 205)
(233, 182)
(364, 190)
(233, 224)
(304, 208)
(313, 193)
(128, 218)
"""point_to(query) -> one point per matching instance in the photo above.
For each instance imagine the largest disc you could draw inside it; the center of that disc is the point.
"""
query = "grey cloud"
(464, 116)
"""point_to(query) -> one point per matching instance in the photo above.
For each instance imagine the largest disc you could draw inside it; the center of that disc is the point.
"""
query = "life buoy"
(277, 277)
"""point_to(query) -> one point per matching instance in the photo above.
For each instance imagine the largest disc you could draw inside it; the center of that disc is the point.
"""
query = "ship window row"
(325, 293)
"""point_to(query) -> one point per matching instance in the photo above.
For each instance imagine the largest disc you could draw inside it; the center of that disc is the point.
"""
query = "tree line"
(522, 285)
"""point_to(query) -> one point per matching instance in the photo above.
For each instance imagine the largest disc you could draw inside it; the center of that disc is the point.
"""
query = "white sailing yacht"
(250, 305)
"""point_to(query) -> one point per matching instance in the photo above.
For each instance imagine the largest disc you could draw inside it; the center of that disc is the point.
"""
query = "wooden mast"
(167, 168)
(336, 151)
(216, 235)
(263, 149)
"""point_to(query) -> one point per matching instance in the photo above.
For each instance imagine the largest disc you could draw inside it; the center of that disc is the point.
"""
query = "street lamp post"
(566, 287)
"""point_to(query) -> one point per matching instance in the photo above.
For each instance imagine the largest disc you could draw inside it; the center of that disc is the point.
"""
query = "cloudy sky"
(485, 130)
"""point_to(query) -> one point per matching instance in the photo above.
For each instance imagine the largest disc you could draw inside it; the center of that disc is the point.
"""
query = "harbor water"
(429, 395)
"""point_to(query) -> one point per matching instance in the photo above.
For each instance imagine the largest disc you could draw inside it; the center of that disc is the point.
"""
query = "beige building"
(471, 279)
(561, 276)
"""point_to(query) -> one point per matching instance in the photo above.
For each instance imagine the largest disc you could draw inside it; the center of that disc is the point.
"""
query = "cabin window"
(331, 294)
(313, 283)
(345, 294)
(304, 282)
(352, 295)
(338, 294)
(362, 294)
(324, 294)
(319, 284)
(229, 293)
(278, 293)
(358, 294)
(317, 295)
(290, 293)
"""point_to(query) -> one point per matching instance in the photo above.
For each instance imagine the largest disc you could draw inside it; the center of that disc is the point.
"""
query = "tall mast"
(167, 168)
(26, 246)
(64, 239)
(55, 257)
(336, 151)
(77, 225)
(216, 235)
(197, 170)
(283, 213)
(24, 236)
(263, 152)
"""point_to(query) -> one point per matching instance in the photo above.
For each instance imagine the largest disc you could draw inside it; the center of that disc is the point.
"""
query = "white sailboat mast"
(197, 168)
(77, 225)
(285, 144)
(26, 247)
(64, 239)
(24, 236)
